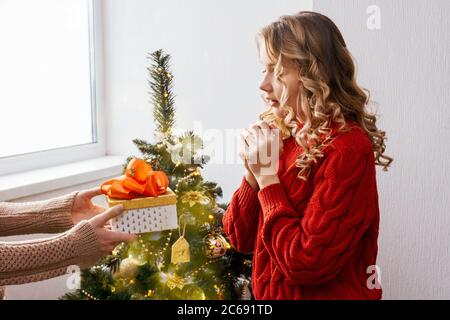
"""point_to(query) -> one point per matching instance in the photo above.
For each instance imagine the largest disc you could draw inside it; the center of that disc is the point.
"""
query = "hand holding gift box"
(149, 204)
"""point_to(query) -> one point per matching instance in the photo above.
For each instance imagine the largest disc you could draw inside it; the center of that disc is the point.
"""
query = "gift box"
(147, 214)
(149, 204)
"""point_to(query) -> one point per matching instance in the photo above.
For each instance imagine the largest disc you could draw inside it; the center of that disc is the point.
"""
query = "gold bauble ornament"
(193, 292)
(128, 268)
(140, 259)
(216, 245)
(137, 252)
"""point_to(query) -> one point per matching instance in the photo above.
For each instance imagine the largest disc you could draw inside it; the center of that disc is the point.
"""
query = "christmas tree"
(143, 269)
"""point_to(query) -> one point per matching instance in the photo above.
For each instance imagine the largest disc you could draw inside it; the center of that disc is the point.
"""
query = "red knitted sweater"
(314, 239)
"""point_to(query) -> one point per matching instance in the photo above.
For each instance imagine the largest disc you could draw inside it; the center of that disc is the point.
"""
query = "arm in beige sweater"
(29, 261)
(48, 216)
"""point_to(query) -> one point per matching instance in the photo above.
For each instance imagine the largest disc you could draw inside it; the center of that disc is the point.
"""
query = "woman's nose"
(266, 85)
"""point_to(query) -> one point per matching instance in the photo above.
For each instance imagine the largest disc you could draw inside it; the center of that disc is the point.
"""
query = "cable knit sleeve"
(29, 261)
(240, 220)
(311, 247)
(47, 216)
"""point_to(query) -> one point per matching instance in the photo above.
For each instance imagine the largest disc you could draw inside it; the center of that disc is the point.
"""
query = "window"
(47, 77)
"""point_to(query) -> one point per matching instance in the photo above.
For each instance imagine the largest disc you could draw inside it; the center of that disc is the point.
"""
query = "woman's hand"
(263, 147)
(248, 174)
(108, 240)
(83, 208)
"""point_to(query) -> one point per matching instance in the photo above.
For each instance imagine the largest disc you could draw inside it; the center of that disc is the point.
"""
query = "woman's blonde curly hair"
(328, 89)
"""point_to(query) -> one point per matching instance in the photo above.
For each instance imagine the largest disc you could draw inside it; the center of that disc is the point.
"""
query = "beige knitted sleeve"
(29, 261)
(48, 216)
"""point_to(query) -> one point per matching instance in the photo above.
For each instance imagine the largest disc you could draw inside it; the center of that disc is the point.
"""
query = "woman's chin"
(278, 112)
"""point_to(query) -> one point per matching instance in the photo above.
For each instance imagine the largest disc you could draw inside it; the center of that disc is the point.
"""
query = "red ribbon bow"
(139, 179)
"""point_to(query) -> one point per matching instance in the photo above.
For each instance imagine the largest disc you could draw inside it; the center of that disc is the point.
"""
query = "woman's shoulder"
(348, 153)
(354, 140)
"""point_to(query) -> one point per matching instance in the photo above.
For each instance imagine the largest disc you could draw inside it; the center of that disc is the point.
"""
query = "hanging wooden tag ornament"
(180, 249)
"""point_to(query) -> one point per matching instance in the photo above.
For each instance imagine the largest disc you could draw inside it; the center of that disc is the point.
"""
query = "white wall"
(406, 66)
(215, 63)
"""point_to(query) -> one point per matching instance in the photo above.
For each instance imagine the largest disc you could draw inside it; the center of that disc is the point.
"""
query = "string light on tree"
(151, 267)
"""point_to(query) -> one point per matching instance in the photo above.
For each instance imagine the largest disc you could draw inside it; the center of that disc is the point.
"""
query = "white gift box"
(146, 214)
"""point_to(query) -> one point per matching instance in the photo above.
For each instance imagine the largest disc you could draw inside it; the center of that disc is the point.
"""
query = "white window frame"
(64, 155)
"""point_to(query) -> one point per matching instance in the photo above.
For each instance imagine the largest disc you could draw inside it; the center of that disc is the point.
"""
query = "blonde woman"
(312, 222)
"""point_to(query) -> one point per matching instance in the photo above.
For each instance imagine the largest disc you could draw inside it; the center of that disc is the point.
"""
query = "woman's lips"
(273, 103)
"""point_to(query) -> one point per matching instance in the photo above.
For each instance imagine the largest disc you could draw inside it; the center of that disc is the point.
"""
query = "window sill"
(29, 183)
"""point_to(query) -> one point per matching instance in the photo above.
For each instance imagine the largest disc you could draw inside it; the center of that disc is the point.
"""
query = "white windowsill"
(29, 183)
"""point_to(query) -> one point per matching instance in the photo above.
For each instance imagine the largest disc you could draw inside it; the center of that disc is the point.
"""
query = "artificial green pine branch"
(162, 97)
